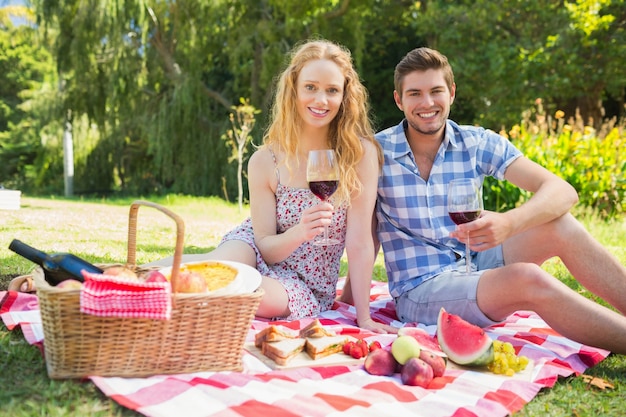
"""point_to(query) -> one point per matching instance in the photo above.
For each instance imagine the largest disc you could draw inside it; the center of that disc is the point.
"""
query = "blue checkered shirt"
(413, 222)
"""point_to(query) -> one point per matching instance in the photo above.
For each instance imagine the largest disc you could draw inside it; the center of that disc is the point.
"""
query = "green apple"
(405, 348)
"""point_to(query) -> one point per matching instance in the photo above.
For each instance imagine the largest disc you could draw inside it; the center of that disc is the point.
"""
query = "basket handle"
(132, 236)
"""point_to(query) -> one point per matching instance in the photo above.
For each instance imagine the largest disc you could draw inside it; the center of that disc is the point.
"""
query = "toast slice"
(315, 330)
(320, 347)
(284, 350)
(273, 333)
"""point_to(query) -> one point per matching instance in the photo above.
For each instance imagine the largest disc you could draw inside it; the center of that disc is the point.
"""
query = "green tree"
(158, 78)
(508, 53)
(27, 85)
(150, 83)
(242, 120)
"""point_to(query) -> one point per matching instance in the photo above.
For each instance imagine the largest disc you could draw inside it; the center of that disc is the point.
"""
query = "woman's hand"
(373, 326)
(315, 218)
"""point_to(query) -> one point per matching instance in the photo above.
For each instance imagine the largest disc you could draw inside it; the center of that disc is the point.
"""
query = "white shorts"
(453, 290)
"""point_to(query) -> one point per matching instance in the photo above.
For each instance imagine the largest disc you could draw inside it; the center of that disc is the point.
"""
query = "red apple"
(380, 362)
(416, 372)
(155, 276)
(190, 282)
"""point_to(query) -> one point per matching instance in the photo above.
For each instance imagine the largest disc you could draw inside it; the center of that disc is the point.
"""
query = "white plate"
(250, 277)
(247, 280)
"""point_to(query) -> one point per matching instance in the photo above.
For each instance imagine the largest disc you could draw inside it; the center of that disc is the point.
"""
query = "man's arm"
(552, 198)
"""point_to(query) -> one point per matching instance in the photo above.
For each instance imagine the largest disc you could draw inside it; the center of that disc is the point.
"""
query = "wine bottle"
(57, 267)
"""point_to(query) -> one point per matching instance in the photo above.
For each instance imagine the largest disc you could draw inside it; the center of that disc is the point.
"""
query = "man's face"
(425, 100)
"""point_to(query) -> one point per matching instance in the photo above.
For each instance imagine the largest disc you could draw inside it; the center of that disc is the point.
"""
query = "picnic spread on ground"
(338, 384)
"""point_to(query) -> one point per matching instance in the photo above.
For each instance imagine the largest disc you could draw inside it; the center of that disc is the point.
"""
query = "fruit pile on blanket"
(419, 358)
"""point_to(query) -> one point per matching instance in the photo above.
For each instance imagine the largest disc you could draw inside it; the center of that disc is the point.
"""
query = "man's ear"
(398, 99)
(452, 93)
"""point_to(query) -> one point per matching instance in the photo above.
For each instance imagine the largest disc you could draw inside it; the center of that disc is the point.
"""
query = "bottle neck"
(28, 252)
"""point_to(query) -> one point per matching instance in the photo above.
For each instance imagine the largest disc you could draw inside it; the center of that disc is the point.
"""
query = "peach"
(380, 362)
(416, 372)
(436, 362)
(155, 276)
(190, 282)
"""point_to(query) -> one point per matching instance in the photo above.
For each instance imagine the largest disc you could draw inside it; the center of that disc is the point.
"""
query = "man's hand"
(489, 230)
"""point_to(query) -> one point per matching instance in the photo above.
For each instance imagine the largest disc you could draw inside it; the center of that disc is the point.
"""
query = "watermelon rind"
(463, 342)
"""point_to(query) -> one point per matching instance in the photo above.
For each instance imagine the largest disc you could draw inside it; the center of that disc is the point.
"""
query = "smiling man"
(424, 249)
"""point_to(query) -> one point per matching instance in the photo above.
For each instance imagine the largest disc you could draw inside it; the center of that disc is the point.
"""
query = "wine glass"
(465, 204)
(322, 174)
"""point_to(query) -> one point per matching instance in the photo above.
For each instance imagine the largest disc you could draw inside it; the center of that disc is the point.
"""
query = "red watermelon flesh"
(425, 340)
(463, 342)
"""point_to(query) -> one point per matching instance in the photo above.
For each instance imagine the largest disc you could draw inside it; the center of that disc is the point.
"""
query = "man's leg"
(525, 286)
(586, 259)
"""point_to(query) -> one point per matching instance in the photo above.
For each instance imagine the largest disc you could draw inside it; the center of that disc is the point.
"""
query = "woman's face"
(319, 92)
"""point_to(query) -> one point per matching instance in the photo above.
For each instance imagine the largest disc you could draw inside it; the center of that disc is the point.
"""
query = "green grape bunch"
(505, 361)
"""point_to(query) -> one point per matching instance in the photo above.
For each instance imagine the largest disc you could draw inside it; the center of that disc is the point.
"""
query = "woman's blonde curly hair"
(351, 125)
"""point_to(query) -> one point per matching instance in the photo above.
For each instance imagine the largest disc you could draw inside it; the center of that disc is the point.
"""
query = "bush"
(589, 160)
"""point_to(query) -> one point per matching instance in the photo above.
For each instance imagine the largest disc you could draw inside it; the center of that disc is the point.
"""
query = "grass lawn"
(98, 231)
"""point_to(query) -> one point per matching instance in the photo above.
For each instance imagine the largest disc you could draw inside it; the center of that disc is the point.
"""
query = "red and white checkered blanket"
(340, 389)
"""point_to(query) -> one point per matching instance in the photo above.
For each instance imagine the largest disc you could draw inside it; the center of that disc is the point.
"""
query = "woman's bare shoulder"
(262, 160)
(262, 169)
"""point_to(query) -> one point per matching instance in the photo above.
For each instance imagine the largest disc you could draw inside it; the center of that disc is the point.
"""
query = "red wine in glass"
(323, 189)
(465, 204)
(460, 217)
(322, 174)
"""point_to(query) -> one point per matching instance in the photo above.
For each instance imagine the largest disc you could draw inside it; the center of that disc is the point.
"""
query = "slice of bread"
(273, 333)
(284, 350)
(320, 347)
(315, 329)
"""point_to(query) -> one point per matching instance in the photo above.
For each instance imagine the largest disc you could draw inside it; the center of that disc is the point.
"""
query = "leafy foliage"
(242, 120)
(25, 90)
(591, 161)
(149, 85)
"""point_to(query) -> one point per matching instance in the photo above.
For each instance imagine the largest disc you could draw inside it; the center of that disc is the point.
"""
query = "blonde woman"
(319, 103)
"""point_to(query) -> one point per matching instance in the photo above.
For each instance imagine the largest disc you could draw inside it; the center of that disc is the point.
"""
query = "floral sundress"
(310, 273)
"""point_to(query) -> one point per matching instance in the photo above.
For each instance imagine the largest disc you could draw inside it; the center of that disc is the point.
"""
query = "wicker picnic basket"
(205, 332)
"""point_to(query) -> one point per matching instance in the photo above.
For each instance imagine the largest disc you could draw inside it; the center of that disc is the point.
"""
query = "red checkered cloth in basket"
(113, 296)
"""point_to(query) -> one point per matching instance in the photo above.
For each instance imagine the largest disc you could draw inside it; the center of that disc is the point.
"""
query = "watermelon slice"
(425, 340)
(463, 342)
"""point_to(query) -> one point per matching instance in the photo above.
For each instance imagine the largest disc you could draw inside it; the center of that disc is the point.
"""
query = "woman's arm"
(360, 243)
(262, 184)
